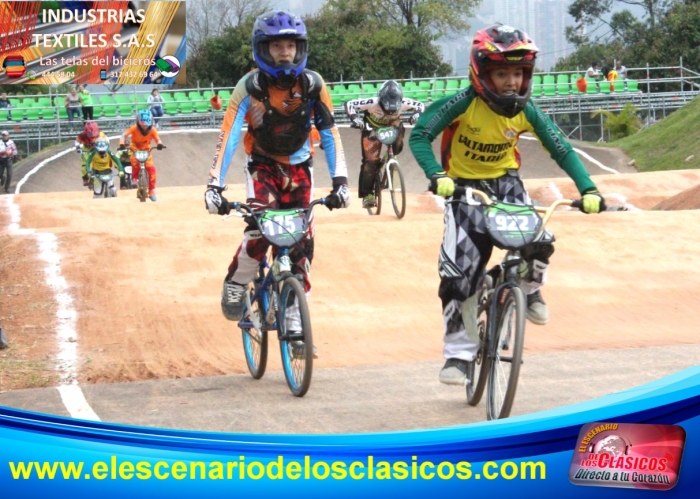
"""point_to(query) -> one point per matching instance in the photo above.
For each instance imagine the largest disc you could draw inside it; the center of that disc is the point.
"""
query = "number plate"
(512, 226)
(283, 228)
(387, 135)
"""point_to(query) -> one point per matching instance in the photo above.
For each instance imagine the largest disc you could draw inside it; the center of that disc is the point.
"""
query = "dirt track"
(146, 278)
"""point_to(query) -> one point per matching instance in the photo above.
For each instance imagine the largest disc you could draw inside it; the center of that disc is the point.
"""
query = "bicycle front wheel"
(296, 340)
(506, 350)
(142, 192)
(398, 189)
(254, 332)
(478, 369)
(377, 191)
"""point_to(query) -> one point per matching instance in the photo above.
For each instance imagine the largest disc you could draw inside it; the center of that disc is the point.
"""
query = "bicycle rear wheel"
(398, 189)
(506, 354)
(255, 338)
(296, 340)
(478, 369)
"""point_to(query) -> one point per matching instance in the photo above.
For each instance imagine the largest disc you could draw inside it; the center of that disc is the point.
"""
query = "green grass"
(666, 144)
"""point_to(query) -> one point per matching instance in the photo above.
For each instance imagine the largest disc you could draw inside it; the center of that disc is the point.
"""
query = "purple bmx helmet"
(279, 25)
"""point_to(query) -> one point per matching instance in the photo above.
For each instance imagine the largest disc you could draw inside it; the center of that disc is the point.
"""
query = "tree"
(208, 18)
(590, 17)
(620, 125)
(440, 17)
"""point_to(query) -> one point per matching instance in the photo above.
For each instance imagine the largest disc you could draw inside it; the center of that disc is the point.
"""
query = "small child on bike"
(278, 101)
(381, 111)
(142, 133)
(100, 161)
(480, 129)
(85, 144)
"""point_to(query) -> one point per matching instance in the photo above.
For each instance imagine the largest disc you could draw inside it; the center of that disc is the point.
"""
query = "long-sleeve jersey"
(477, 143)
(376, 115)
(98, 163)
(139, 141)
(245, 108)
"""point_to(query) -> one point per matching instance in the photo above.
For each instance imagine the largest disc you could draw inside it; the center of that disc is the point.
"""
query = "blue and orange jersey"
(245, 109)
(139, 141)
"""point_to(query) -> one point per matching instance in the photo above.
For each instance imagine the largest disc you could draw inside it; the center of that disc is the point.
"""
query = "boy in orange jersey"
(142, 133)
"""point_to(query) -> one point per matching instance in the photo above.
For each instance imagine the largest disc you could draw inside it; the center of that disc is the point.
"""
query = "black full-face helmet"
(390, 97)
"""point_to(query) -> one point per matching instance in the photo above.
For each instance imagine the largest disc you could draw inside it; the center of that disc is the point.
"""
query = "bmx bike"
(144, 179)
(104, 180)
(390, 175)
(502, 302)
(275, 299)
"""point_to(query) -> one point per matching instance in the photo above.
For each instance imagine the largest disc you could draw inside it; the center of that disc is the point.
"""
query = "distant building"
(551, 20)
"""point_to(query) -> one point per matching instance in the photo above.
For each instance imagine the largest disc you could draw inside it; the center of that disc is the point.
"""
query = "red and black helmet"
(92, 130)
(502, 46)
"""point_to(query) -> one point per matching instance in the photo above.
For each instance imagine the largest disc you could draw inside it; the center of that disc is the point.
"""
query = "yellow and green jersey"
(477, 143)
(99, 164)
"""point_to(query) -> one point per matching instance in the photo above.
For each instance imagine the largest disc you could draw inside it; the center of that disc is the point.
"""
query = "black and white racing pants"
(465, 251)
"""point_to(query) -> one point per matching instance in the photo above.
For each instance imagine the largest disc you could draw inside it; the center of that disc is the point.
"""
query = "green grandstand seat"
(44, 101)
(201, 106)
(110, 111)
(33, 113)
(425, 84)
(370, 88)
(121, 99)
(549, 87)
(464, 83)
(225, 95)
(3, 115)
(48, 113)
(106, 99)
(195, 96)
(563, 87)
(28, 102)
(126, 110)
(180, 97)
(632, 85)
(208, 94)
(14, 102)
(186, 107)
(62, 113)
(591, 86)
(167, 97)
(170, 107)
(604, 87)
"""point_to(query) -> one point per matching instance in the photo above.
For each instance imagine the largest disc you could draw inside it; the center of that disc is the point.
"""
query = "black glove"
(121, 147)
(340, 195)
(160, 147)
(214, 202)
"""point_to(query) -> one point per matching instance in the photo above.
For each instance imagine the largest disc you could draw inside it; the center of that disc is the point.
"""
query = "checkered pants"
(278, 186)
(465, 251)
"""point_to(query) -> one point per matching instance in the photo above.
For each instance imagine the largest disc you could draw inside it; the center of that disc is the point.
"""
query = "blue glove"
(444, 185)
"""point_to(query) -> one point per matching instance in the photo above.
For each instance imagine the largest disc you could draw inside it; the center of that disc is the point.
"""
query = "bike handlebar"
(246, 209)
(486, 200)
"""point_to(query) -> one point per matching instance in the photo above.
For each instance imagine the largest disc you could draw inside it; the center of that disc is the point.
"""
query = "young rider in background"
(142, 134)
(381, 111)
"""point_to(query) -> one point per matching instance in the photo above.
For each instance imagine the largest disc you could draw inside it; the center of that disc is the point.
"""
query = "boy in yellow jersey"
(99, 162)
(481, 126)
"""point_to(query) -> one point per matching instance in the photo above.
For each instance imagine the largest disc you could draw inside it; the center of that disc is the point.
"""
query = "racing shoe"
(454, 372)
(86, 181)
(299, 349)
(537, 311)
(232, 300)
(369, 201)
(152, 196)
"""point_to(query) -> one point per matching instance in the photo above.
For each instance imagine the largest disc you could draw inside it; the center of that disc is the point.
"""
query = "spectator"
(155, 103)
(605, 70)
(593, 71)
(621, 70)
(5, 104)
(73, 104)
(8, 151)
(87, 102)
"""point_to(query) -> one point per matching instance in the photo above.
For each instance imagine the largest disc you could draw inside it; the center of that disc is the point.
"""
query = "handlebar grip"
(459, 189)
(577, 203)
